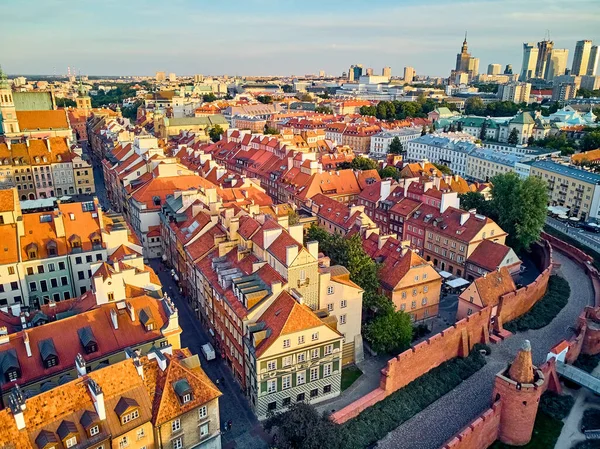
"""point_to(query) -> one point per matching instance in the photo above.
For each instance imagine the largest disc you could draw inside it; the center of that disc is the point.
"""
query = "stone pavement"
(431, 428)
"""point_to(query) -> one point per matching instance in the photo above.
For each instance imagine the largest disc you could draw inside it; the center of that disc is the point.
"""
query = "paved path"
(431, 428)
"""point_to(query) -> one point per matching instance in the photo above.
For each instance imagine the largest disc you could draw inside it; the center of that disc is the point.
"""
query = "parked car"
(208, 351)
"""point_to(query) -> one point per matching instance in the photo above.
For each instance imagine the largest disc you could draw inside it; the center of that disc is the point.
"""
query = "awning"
(574, 219)
(563, 217)
(455, 283)
(445, 274)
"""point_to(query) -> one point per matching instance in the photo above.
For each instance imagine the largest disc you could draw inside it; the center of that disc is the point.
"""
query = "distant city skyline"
(263, 37)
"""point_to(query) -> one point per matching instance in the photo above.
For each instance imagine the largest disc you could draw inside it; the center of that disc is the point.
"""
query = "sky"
(280, 37)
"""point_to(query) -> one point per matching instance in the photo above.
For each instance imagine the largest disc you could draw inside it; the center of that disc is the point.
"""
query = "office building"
(593, 61)
(172, 77)
(515, 92)
(386, 71)
(462, 58)
(581, 58)
(369, 71)
(508, 70)
(409, 74)
(530, 57)
(563, 91)
(590, 82)
(355, 72)
(161, 76)
(557, 63)
(544, 48)
(494, 69)
(473, 67)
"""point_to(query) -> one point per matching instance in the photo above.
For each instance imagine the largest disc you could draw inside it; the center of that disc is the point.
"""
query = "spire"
(3, 79)
(80, 89)
(465, 38)
(521, 370)
(464, 48)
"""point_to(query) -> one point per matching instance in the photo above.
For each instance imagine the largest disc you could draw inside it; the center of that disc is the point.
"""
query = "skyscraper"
(355, 72)
(462, 59)
(556, 64)
(593, 62)
(473, 67)
(369, 71)
(409, 75)
(544, 49)
(494, 69)
(386, 71)
(581, 57)
(530, 56)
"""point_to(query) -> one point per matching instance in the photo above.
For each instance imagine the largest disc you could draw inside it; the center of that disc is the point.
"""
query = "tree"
(301, 427)
(287, 88)
(459, 126)
(65, 103)
(483, 131)
(363, 163)
(390, 333)
(293, 217)
(270, 130)
(423, 130)
(389, 172)
(590, 141)
(368, 110)
(513, 137)
(265, 99)
(443, 168)
(474, 200)
(396, 146)
(304, 96)
(324, 110)
(209, 98)
(519, 207)
(530, 141)
(215, 133)
(474, 106)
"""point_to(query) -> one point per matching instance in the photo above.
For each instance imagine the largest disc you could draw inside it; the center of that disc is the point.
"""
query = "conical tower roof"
(522, 368)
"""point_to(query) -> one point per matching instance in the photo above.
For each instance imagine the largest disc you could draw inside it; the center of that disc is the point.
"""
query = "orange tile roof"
(9, 250)
(34, 120)
(7, 200)
(41, 233)
(395, 268)
(493, 285)
(78, 222)
(164, 186)
(489, 255)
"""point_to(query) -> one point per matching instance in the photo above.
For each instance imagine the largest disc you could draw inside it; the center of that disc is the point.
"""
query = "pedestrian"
(217, 382)
(229, 424)
(222, 379)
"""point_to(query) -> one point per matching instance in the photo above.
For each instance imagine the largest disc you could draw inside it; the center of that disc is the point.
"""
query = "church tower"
(8, 114)
(83, 100)
(518, 388)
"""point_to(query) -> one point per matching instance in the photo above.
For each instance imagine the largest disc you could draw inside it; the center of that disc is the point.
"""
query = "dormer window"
(48, 353)
(90, 422)
(127, 410)
(32, 251)
(183, 390)
(51, 248)
(46, 440)
(75, 241)
(147, 319)
(87, 339)
(10, 365)
(67, 432)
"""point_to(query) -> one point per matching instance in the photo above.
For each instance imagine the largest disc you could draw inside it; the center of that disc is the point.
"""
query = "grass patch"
(571, 241)
(376, 421)
(350, 375)
(586, 362)
(548, 422)
(590, 420)
(544, 311)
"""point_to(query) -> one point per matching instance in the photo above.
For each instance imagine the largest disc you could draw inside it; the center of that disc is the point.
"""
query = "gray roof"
(33, 101)
(182, 387)
(209, 120)
(44, 438)
(146, 316)
(86, 336)
(88, 418)
(47, 348)
(496, 156)
(444, 142)
(65, 429)
(565, 170)
(8, 360)
(123, 404)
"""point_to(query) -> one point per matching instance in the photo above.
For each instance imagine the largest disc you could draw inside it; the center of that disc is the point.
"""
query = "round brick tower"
(518, 388)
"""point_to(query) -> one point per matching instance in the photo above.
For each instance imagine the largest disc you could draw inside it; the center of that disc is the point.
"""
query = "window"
(417, 277)
(343, 319)
(61, 265)
(71, 442)
(130, 416)
(140, 434)
(327, 389)
(314, 393)
(315, 336)
(51, 267)
(300, 378)
(272, 406)
(287, 360)
(40, 269)
(63, 280)
(32, 287)
(286, 382)
(78, 260)
(88, 259)
(300, 397)
(29, 271)
(314, 373)
(123, 442)
(98, 257)
(327, 370)
(44, 286)
(403, 295)
(203, 430)
(54, 282)
(424, 302)
(176, 425)
(286, 343)
(67, 295)
(330, 290)
(271, 365)
(95, 430)
(301, 357)
(178, 443)
(186, 398)
(202, 412)
(314, 353)
(286, 402)
(11, 270)
(414, 292)
(271, 386)
(328, 349)
(413, 305)
(343, 303)
(330, 307)
(301, 340)
(111, 296)
(81, 275)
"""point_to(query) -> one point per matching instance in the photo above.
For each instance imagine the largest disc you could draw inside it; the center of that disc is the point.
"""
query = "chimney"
(131, 311)
(47, 140)
(113, 317)
(464, 217)
(116, 266)
(26, 341)
(59, 225)
(296, 231)
(160, 358)
(291, 252)
(269, 236)
(97, 397)
(80, 365)
(313, 249)
(4, 338)
(17, 405)
(384, 189)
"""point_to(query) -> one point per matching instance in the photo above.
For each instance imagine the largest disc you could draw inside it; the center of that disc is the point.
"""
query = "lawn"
(350, 375)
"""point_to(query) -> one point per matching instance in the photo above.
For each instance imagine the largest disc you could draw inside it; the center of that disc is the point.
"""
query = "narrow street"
(246, 431)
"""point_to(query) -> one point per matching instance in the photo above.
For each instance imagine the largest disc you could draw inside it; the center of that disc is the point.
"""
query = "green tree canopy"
(324, 110)
(265, 99)
(270, 130)
(590, 141)
(209, 98)
(389, 172)
(474, 106)
(474, 200)
(513, 137)
(443, 168)
(215, 133)
(287, 88)
(396, 146)
(519, 207)
(390, 333)
(65, 103)
(363, 163)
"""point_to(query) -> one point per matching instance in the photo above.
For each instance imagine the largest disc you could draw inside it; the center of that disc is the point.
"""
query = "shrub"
(590, 420)
(586, 362)
(544, 311)
(591, 444)
(555, 405)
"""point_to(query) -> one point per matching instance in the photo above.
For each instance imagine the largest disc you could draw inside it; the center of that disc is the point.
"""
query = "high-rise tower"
(581, 58)
(544, 49)
(462, 59)
(593, 62)
(530, 57)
